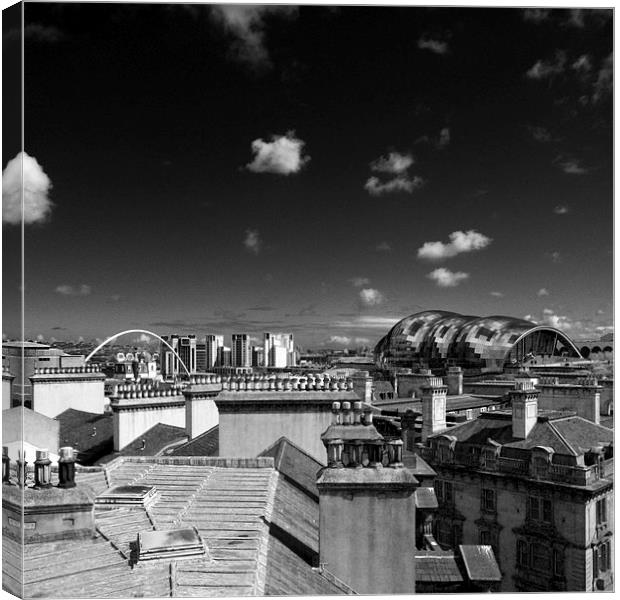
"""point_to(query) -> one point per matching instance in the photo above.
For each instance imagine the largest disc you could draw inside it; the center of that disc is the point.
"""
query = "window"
(539, 509)
(444, 532)
(448, 492)
(602, 558)
(522, 553)
(601, 511)
(444, 491)
(488, 502)
(485, 537)
(539, 557)
(558, 562)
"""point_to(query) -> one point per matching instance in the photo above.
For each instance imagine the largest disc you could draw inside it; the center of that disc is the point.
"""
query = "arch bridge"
(147, 332)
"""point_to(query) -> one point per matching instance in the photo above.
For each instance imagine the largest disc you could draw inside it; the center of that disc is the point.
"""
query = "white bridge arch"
(120, 333)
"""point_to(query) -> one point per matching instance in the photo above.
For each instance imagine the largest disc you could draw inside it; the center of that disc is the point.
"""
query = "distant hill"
(608, 337)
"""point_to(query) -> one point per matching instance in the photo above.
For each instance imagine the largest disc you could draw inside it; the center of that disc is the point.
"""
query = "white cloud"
(497, 294)
(582, 64)
(401, 183)
(247, 23)
(143, 338)
(604, 80)
(36, 187)
(536, 15)
(540, 134)
(446, 278)
(394, 163)
(74, 290)
(40, 337)
(560, 209)
(340, 339)
(282, 155)
(362, 340)
(576, 17)
(359, 281)
(542, 292)
(436, 46)
(460, 242)
(570, 166)
(371, 296)
(368, 322)
(543, 69)
(383, 247)
(253, 241)
(444, 137)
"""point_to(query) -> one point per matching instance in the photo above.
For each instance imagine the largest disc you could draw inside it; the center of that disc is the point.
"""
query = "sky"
(317, 170)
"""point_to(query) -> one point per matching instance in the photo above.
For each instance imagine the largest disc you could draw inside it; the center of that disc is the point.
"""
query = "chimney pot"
(66, 468)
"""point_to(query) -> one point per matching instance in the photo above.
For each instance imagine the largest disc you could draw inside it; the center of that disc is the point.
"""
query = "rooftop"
(259, 530)
(205, 444)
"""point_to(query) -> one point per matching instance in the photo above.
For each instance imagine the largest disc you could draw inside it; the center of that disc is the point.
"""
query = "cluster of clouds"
(247, 24)
(461, 242)
(74, 290)
(252, 241)
(368, 296)
(396, 166)
(575, 17)
(599, 81)
(433, 44)
(24, 177)
(344, 340)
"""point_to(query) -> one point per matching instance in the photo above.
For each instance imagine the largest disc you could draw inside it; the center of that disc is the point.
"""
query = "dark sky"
(496, 123)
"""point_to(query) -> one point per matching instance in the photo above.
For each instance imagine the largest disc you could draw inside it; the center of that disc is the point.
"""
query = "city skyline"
(319, 170)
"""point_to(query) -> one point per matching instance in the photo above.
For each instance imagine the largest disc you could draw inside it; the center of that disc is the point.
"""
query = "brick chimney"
(366, 506)
(433, 407)
(362, 385)
(454, 381)
(524, 401)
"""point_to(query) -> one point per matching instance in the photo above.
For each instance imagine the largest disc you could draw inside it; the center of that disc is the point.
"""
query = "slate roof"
(436, 567)
(151, 443)
(295, 464)
(91, 434)
(480, 563)
(206, 444)
(566, 433)
(254, 522)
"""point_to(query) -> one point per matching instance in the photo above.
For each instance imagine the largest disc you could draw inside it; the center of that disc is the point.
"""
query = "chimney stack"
(454, 381)
(524, 401)
(366, 507)
(433, 407)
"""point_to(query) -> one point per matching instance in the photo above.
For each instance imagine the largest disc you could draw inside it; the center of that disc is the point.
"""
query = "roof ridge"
(561, 437)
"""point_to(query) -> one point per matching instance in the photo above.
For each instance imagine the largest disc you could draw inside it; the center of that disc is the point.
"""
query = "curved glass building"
(440, 338)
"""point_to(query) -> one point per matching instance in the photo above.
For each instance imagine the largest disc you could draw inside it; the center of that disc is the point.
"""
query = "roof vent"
(170, 544)
(127, 495)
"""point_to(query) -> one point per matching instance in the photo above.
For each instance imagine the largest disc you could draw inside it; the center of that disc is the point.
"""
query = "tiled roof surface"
(206, 444)
(297, 514)
(288, 574)
(583, 434)
(425, 498)
(382, 386)
(91, 434)
(436, 567)
(295, 464)
(569, 435)
(235, 509)
(480, 563)
(151, 443)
